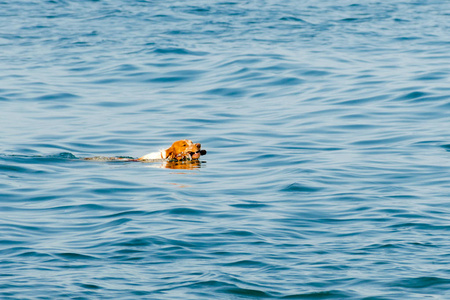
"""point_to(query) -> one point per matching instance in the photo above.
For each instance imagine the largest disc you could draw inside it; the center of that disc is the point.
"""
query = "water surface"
(327, 129)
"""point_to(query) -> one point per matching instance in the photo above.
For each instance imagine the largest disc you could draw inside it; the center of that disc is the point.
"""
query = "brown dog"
(180, 150)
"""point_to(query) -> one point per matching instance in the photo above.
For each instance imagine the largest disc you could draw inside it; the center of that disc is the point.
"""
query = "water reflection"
(179, 165)
(157, 163)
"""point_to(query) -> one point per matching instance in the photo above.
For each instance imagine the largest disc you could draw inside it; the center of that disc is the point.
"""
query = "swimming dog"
(183, 150)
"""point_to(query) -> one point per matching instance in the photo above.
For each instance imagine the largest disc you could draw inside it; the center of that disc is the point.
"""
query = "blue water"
(327, 125)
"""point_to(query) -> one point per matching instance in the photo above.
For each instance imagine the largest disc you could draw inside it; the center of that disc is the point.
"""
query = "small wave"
(329, 294)
(293, 19)
(16, 169)
(297, 187)
(287, 81)
(179, 51)
(228, 92)
(423, 282)
(57, 97)
(171, 79)
(437, 75)
(446, 147)
(72, 256)
(356, 20)
(89, 286)
(413, 95)
(63, 155)
(238, 291)
(185, 211)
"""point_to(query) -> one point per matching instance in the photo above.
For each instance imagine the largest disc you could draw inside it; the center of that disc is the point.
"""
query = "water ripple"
(326, 126)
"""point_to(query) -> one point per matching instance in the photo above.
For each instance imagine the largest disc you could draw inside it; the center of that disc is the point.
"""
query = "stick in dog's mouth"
(195, 155)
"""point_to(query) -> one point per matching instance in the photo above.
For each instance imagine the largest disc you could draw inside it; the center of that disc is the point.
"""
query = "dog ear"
(170, 153)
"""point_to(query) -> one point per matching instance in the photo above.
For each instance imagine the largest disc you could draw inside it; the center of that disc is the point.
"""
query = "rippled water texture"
(327, 129)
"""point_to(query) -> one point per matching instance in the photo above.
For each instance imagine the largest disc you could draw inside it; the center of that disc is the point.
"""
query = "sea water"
(327, 126)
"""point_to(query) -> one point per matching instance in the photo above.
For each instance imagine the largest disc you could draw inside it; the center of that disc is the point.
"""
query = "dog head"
(184, 150)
